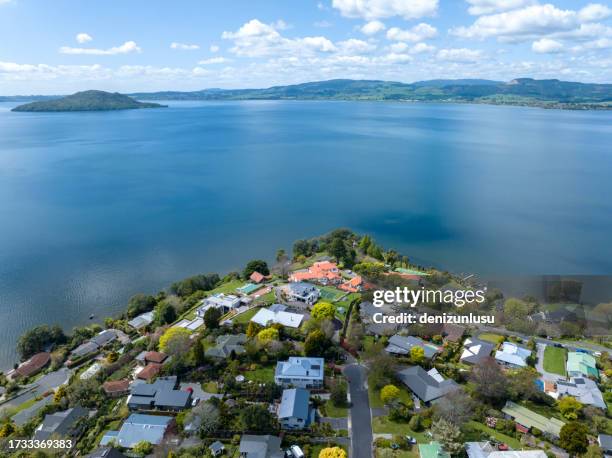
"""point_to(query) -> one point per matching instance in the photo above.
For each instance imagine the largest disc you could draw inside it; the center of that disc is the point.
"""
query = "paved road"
(360, 419)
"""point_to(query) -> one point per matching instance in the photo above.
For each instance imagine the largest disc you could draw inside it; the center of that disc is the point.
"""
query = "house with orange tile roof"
(34, 364)
(256, 277)
(116, 388)
(149, 372)
(324, 272)
(354, 285)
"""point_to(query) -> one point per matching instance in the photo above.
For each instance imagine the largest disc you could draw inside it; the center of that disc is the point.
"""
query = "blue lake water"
(95, 207)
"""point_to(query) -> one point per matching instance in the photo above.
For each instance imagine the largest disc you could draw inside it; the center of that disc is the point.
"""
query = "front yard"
(263, 374)
(382, 425)
(554, 359)
(479, 428)
(330, 410)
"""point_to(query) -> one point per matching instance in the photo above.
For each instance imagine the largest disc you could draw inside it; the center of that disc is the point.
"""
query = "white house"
(225, 302)
(512, 355)
(300, 372)
(276, 314)
(302, 292)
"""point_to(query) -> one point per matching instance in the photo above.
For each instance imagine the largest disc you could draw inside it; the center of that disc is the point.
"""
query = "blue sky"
(62, 46)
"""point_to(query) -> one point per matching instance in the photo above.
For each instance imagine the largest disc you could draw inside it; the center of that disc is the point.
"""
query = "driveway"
(336, 423)
(25, 415)
(360, 419)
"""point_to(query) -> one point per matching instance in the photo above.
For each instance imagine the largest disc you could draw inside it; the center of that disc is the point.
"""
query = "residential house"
(98, 342)
(257, 277)
(301, 292)
(141, 321)
(106, 452)
(581, 364)
(149, 372)
(526, 419)
(267, 446)
(367, 311)
(216, 448)
(224, 302)
(276, 314)
(432, 450)
(401, 345)
(475, 350)
(85, 349)
(324, 272)
(354, 285)
(137, 428)
(226, 344)
(582, 388)
(34, 365)
(426, 385)
(156, 357)
(294, 411)
(488, 450)
(65, 424)
(605, 443)
(510, 354)
(116, 388)
(300, 372)
(160, 395)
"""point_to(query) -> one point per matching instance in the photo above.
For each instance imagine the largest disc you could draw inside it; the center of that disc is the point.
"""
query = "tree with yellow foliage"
(175, 341)
(267, 335)
(332, 452)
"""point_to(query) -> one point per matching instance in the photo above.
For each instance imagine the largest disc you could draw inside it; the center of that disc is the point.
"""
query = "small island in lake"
(88, 101)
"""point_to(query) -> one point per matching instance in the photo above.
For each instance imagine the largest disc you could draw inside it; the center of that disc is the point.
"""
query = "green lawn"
(210, 387)
(511, 441)
(554, 359)
(374, 395)
(23, 406)
(227, 288)
(245, 317)
(490, 337)
(268, 298)
(335, 412)
(387, 452)
(261, 375)
(331, 294)
(382, 425)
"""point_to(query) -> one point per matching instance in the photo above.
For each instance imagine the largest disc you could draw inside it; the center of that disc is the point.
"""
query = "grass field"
(335, 412)
(489, 337)
(479, 427)
(331, 294)
(554, 359)
(210, 387)
(387, 452)
(262, 375)
(245, 317)
(227, 288)
(374, 396)
(382, 425)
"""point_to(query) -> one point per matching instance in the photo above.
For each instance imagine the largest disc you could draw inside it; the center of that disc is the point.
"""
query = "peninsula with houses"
(283, 359)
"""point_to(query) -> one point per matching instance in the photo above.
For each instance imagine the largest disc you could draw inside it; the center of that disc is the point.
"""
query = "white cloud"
(421, 48)
(83, 37)
(419, 32)
(214, 48)
(530, 22)
(355, 46)
(594, 12)
(547, 46)
(280, 25)
(459, 55)
(372, 28)
(478, 7)
(255, 39)
(184, 46)
(125, 48)
(214, 60)
(378, 9)
(395, 58)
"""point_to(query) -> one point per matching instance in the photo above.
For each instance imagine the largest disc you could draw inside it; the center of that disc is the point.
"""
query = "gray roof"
(161, 393)
(60, 423)
(216, 446)
(402, 345)
(605, 441)
(106, 452)
(476, 350)
(583, 389)
(138, 427)
(141, 320)
(260, 446)
(226, 344)
(302, 288)
(294, 403)
(104, 337)
(424, 385)
(85, 349)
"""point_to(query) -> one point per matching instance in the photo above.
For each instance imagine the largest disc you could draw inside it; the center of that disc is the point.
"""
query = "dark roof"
(104, 337)
(162, 393)
(34, 364)
(476, 350)
(60, 423)
(106, 452)
(605, 441)
(424, 385)
(453, 332)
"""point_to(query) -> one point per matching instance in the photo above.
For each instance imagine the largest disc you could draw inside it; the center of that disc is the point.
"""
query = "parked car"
(296, 451)
(411, 440)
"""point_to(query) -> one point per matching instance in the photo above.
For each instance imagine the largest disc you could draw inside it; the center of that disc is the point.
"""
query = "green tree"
(252, 329)
(593, 451)
(201, 282)
(256, 417)
(212, 317)
(267, 335)
(175, 341)
(569, 407)
(365, 243)
(490, 383)
(338, 393)
(323, 310)
(206, 417)
(417, 355)
(573, 438)
(199, 356)
(389, 394)
(164, 313)
(256, 265)
(316, 343)
(140, 303)
(337, 249)
(281, 256)
(143, 448)
(448, 435)
(38, 338)
(375, 252)
(416, 423)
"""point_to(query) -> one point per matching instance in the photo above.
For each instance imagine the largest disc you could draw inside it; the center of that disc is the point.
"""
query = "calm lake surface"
(95, 207)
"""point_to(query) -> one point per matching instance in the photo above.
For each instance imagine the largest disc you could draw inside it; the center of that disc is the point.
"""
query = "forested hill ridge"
(87, 101)
(523, 91)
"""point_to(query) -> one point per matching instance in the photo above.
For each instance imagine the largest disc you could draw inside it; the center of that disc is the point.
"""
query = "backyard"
(554, 359)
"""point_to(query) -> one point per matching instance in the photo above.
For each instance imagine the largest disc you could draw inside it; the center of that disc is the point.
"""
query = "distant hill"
(87, 101)
(523, 91)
